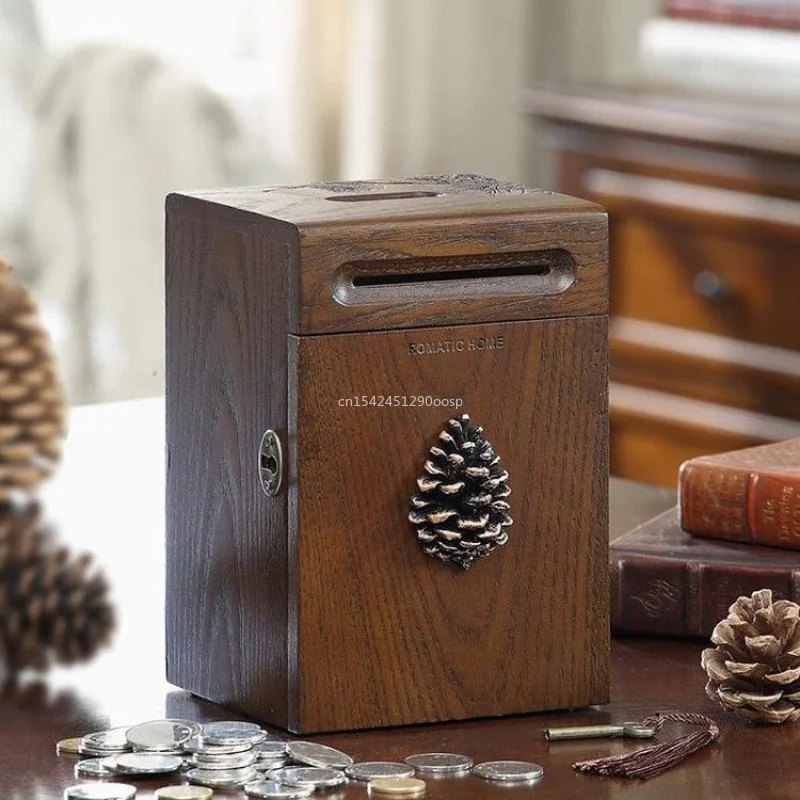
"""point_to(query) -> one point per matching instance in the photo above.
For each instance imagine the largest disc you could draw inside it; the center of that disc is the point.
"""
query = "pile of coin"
(241, 755)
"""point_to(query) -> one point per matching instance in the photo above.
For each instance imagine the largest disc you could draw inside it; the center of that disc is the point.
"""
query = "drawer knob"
(710, 286)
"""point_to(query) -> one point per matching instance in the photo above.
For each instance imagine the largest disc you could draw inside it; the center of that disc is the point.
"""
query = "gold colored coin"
(69, 747)
(396, 787)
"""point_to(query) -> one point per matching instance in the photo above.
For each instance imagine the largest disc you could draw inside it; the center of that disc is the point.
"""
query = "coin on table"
(440, 763)
(114, 739)
(70, 747)
(509, 771)
(272, 789)
(159, 734)
(232, 732)
(367, 770)
(197, 744)
(184, 793)
(232, 761)
(222, 778)
(148, 763)
(100, 791)
(396, 787)
(189, 723)
(318, 755)
(96, 767)
(270, 747)
(321, 777)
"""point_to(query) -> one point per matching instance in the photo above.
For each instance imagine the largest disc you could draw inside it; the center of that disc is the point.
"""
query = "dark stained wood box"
(316, 609)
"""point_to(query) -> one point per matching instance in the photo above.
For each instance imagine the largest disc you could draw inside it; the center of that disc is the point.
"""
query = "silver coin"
(318, 755)
(272, 789)
(221, 778)
(159, 734)
(96, 767)
(321, 777)
(114, 739)
(197, 744)
(270, 747)
(232, 732)
(148, 763)
(439, 763)
(100, 791)
(189, 723)
(367, 770)
(95, 753)
(234, 761)
(509, 771)
(183, 793)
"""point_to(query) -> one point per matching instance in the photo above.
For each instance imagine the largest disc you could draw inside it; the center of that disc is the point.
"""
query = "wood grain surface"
(396, 636)
(228, 582)
(316, 610)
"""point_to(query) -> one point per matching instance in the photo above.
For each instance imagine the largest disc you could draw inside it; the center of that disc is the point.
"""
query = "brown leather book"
(750, 495)
(666, 582)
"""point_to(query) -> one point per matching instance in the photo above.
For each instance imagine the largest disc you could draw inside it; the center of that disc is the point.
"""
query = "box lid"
(434, 250)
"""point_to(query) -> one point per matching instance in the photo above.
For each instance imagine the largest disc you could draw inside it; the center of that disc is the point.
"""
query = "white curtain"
(401, 87)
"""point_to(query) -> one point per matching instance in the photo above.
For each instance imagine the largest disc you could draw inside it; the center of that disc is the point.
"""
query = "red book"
(750, 495)
(666, 582)
(757, 14)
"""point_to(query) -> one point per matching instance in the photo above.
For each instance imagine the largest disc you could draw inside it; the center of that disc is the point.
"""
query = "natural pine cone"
(755, 668)
(32, 407)
(461, 512)
(52, 607)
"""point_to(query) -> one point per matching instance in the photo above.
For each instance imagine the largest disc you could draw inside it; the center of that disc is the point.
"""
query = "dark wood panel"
(227, 548)
(395, 636)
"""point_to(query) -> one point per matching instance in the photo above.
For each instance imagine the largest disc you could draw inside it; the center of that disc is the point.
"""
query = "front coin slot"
(454, 277)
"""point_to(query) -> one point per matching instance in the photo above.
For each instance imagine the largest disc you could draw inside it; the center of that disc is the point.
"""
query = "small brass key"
(632, 730)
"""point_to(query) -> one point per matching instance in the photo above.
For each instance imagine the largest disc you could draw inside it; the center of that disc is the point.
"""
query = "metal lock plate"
(270, 463)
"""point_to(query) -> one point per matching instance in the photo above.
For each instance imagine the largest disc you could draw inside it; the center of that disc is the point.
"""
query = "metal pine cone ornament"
(460, 512)
(32, 406)
(53, 607)
(754, 670)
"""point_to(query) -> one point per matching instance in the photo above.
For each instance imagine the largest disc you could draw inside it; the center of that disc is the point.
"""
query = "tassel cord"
(647, 762)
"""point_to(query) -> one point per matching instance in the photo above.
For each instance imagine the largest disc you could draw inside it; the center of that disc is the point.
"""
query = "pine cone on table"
(460, 512)
(53, 607)
(32, 405)
(755, 668)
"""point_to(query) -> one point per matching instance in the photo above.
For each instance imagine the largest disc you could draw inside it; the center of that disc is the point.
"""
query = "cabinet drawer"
(706, 367)
(652, 433)
(713, 260)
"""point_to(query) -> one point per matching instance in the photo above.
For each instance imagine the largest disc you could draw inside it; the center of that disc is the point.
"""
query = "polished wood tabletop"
(108, 499)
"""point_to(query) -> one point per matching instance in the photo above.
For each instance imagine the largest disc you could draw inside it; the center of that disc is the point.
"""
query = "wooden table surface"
(108, 500)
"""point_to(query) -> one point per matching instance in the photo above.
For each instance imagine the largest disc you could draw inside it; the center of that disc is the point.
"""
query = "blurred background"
(106, 106)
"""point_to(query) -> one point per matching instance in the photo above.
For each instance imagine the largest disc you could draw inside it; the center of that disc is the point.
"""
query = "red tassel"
(647, 762)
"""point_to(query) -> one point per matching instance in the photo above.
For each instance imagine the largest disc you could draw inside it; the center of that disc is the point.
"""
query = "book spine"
(760, 15)
(659, 596)
(713, 500)
(727, 502)
(773, 510)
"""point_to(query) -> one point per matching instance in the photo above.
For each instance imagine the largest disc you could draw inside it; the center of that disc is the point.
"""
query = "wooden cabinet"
(704, 202)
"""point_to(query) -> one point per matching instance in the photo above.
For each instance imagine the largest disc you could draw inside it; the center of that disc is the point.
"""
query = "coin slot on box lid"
(356, 198)
(535, 273)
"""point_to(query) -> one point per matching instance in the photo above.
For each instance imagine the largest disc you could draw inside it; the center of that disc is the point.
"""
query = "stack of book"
(736, 45)
(735, 530)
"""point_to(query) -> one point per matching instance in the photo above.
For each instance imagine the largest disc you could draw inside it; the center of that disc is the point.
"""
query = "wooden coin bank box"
(387, 428)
